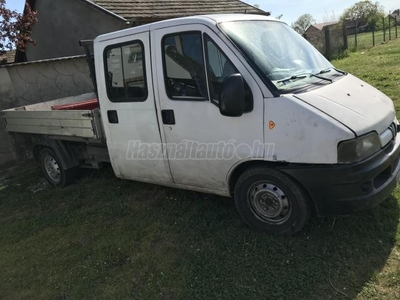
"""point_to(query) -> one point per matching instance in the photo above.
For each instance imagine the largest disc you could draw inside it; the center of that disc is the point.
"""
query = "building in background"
(396, 16)
(316, 29)
(61, 24)
(316, 35)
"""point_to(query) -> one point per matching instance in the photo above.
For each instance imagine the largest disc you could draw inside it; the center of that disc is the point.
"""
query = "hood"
(354, 103)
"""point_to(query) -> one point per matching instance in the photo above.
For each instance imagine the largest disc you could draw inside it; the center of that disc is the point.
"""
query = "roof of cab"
(210, 20)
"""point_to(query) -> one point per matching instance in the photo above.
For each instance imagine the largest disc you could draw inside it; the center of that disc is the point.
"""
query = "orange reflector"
(271, 125)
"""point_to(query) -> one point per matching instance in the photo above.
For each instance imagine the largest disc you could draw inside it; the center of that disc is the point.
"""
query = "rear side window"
(184, 70)
(125, 72)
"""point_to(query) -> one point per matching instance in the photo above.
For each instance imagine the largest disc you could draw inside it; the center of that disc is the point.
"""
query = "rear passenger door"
(128, 109)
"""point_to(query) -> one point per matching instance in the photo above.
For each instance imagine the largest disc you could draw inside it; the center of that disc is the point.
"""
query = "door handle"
(168, 116)
(112, 116)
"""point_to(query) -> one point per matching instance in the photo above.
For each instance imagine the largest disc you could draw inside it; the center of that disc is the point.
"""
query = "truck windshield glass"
(279, 54)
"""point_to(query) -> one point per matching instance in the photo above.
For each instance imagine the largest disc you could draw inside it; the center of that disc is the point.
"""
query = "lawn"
(105, 238)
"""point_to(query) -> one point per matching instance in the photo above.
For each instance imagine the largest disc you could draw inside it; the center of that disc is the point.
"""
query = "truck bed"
(42, 119)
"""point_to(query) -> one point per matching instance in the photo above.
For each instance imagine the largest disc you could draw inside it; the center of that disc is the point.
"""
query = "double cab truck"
(234, 105)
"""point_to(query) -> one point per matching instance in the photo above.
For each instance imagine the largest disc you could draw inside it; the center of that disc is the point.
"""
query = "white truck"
(233, 105)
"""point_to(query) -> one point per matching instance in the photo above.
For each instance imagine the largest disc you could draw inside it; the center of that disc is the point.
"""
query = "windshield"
(279, 54)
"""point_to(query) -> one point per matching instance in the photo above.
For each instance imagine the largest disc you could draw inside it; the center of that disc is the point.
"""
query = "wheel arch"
(64, 152)
(242, 167)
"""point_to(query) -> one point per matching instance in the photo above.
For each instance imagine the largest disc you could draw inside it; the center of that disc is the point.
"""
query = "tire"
(50, 164)
(270, 201)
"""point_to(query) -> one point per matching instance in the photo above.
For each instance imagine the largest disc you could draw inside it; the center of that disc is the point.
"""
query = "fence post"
(395, 27)
(355, 36)
(328, 53)
(373, 37)
(390, 31)
(384, 30)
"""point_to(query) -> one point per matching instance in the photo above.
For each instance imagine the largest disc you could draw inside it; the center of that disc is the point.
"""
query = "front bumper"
(345, 189)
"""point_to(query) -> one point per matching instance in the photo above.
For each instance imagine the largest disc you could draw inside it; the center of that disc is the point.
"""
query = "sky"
(291, 9)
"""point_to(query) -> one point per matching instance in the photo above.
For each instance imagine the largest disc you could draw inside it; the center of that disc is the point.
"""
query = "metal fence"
(364, 39)
(335, 40)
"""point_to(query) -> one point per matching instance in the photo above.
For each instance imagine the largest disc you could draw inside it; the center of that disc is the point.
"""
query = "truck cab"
(242, 106)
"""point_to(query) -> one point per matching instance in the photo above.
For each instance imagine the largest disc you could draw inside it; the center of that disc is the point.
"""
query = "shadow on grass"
(107, 238)
(331, 259)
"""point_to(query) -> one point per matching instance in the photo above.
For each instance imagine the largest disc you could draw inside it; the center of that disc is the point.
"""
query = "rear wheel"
(51, 167)
(270, 201)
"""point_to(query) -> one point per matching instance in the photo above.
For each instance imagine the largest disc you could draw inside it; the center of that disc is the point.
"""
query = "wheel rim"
(52, 168)
(269, 202)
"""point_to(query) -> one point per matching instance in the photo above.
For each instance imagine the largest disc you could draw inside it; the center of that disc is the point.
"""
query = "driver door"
(191, 63)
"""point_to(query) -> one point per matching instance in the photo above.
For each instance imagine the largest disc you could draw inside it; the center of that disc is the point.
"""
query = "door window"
(184, 69)
(125, 72)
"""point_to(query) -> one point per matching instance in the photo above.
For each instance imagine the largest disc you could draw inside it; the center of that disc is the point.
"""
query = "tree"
(302, 23)
(367, 12)
(329, 17)
(15, 28)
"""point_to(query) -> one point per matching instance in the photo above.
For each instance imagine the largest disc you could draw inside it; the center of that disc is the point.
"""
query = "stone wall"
(34, 82)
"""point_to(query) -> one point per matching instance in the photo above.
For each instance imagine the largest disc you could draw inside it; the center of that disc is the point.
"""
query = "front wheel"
(51, 167)
(270, 201)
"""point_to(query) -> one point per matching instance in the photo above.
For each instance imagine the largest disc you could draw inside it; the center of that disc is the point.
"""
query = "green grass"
(365, 40)
(106, 238)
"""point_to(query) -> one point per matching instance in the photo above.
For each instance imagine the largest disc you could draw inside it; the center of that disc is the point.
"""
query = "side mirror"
(232, 96)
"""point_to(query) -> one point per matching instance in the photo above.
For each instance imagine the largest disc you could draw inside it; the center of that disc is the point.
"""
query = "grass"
(106, 238)
(365, 40)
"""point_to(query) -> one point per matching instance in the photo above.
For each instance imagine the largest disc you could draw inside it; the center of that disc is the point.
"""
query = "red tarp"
(82, 105)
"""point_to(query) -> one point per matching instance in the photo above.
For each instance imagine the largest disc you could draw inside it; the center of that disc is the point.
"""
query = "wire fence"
(335, 41)
(388, 30)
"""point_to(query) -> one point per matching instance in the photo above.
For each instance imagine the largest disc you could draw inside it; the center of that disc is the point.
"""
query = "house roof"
(165, 9)
(321, 26)
(208, 20)
(8, 57)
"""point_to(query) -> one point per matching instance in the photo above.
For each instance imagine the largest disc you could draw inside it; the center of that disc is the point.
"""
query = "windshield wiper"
(327, 70)
(302, 76)
(340, 71)
(294, 77)
(321, 77)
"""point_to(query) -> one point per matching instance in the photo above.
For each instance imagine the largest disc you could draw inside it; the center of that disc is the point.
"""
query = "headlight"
(359, 148)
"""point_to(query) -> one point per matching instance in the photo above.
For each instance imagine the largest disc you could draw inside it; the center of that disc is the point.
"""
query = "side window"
(125, 72)
(184, 69)
(219, 67)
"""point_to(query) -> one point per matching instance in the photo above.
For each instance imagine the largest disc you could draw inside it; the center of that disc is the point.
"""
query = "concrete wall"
(29, 83)
(61, 24)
